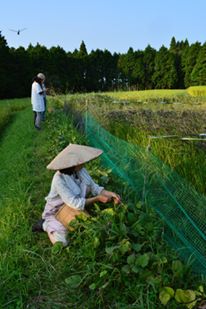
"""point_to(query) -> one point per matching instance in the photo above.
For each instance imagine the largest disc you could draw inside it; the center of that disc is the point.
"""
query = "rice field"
(171, 122)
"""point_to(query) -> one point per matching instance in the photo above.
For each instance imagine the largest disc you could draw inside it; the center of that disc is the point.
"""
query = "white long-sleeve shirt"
(37, 99)
(66, 189)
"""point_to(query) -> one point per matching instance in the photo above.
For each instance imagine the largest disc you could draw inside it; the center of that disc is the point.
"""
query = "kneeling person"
(70, 185)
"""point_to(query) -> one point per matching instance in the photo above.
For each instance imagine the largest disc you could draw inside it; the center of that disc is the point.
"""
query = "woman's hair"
(37, 79)
(68, 171)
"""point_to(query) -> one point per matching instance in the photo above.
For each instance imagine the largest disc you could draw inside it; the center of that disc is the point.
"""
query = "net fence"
(180, 206)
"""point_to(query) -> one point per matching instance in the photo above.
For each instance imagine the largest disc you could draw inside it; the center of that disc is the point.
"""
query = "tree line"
(179, 66)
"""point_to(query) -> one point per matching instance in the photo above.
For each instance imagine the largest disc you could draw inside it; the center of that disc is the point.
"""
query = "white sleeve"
(68, 196)
(94, 187)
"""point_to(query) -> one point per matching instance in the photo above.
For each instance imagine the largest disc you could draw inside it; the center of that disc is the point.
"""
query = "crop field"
(169, 122)
(121, 256)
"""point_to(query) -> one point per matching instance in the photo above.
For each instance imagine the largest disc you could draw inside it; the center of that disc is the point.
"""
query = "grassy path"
(23, 185)
(16, 145)
(31, 274)
(16, 153)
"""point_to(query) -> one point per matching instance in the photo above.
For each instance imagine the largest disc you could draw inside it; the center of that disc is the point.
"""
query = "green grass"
(8, 108)
(116, 259)
(27, 265)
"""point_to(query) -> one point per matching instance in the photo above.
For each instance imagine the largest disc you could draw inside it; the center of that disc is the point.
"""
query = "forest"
(177, 67)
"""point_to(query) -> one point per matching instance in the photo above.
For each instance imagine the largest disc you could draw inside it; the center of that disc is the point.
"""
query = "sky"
(115, 25)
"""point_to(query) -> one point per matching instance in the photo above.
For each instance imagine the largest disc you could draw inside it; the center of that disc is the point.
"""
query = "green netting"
(176, 201)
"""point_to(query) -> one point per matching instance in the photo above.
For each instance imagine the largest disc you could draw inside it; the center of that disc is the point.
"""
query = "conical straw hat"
(74, 155)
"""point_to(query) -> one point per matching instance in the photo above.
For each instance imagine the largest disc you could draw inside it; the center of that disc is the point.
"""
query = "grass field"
(117, 258)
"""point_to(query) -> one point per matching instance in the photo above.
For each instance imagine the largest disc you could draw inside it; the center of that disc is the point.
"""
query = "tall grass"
(197, 91)
(136, 121)
(144, 94)
(7, 109)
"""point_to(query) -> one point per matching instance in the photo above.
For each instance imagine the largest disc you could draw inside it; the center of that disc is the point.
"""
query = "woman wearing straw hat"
(70, 185)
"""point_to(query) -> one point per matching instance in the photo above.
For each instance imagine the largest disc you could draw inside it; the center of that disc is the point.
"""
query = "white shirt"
(71, 191)
(37, 99)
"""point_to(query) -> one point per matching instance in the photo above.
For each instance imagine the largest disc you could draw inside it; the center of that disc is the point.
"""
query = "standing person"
(42, 77)
(37, 101)
(70, 186)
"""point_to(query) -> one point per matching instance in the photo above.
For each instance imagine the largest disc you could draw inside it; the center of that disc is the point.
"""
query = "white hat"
(74, 155)
(41, 76)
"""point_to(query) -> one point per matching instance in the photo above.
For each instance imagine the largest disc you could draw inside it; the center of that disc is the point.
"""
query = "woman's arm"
(98, 198)
(100, 194)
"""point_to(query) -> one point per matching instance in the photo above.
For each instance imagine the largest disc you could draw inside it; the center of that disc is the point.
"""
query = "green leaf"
(108, 211)
(103, 273)
(165, 295)
(131, 217)
(92, 286)
(96, 242)
(131, 259)
(110, 250)
(138, 205)
(125, 246)
(142, 260)
(105, 285)
(82, 217)
(73, 281)
(135, 269)
(200, 289)
(187, 297)
(57, 248)
(126, 269)
(177, 268)
(123, 228)
(137, 247)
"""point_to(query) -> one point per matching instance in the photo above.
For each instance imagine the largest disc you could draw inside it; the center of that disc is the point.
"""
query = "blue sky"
(115, 25)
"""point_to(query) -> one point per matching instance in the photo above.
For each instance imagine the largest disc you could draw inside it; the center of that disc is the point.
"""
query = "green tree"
(58, 70)
(20, 72)
(39, 56)
(149, 66)
(198, 75)
(126, 66)
(165, 75)
(177, 49)
(5, 69)
(189, 59)
(83, 49)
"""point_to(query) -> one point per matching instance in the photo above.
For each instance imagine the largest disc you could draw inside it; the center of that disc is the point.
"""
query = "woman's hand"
(112, 195)
(103, 198)
(117, 199)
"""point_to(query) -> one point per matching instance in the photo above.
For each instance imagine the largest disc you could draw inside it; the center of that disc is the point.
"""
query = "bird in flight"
(18, 31)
